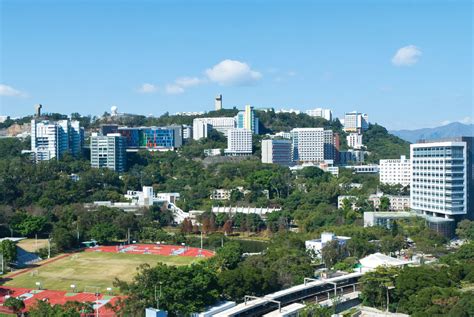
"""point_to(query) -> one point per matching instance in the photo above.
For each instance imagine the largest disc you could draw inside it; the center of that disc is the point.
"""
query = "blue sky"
(408, 64)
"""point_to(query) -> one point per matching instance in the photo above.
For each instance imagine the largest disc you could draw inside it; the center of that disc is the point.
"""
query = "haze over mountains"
(445, 131)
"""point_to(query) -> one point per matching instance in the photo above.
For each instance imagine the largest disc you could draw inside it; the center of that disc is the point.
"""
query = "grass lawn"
(91, 269)
(30, 244)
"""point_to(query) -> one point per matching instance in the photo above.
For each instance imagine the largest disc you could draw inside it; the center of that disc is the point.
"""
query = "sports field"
(85, 269)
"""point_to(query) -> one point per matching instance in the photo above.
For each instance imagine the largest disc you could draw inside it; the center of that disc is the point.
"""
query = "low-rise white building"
(202, 126)
(317, 245)
(147, 197)
(212, 152)
(385, 218)
(320, 113)
(397, 202)
(395, 171)
(220, 194)
(244, 210)
(351, 199)
(364, 169)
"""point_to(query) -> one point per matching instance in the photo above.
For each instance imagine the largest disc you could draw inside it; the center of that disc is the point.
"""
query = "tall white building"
(356, 122)
(395, 171)
(312, 145)
(239, 142)
(76, 138)
(201, 126)
(108, 151)
(276, 151)
(354, 140)
(52, 139)
(320, 113)
(442, 181)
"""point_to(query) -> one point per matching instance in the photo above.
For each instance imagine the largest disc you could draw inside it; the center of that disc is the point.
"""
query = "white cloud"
(185, 82)
(147, 88)
(406, 56)
(173, 89)
(465, 120)
(445, 122)
(230, 72)
(9, 91)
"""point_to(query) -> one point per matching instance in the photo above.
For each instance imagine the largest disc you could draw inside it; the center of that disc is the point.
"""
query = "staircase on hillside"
(178, 214)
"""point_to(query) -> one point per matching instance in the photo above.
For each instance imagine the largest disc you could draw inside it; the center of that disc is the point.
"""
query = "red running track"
(161, 249)
(54, 297)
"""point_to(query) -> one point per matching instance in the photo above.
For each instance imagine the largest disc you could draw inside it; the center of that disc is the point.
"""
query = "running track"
(169, 250)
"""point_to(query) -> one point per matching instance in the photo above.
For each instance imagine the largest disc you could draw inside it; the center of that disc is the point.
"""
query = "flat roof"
(292, 308)
(391, 214)
(12, 239)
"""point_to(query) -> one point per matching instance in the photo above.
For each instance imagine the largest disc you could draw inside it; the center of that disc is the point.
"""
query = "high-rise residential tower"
(53, 139)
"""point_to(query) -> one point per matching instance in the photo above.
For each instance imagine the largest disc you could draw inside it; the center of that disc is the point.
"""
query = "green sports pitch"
(91, 270)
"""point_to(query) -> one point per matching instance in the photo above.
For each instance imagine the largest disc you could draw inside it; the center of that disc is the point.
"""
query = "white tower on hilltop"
(114, 111)
(218, 102)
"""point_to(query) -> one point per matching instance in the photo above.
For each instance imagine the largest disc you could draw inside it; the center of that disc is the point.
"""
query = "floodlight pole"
(97, 304)
(201, 239)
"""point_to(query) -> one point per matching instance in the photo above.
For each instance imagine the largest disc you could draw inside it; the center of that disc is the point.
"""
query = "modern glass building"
(276, 151)
(152, 138)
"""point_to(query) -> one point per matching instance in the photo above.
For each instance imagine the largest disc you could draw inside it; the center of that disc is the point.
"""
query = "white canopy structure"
(378, 259)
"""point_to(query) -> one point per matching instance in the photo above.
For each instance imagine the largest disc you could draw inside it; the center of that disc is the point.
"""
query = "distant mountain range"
(445, 131)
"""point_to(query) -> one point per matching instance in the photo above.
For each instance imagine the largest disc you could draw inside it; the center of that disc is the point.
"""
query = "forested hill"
(383, 145)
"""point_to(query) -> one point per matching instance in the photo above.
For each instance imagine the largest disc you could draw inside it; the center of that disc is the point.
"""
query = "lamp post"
(97, 304)
(388, 287)
(157, 298)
